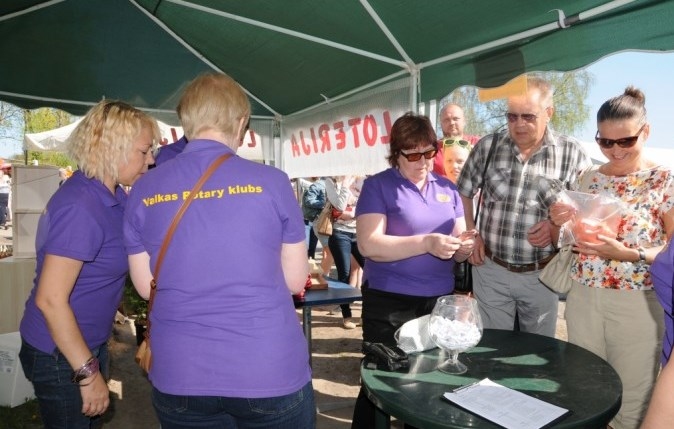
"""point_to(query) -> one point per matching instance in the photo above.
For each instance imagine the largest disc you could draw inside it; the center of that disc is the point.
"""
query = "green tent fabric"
(295, 55)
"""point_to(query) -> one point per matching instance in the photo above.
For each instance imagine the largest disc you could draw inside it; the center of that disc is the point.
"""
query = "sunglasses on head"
(526, 117)
(625, 142)
(454, 142)
(416, 156)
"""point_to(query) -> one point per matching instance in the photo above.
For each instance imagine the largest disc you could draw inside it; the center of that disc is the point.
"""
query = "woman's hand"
(605, 247)
(348, 213)
(560, 213)
(442, 246)
(95, 395)
(467, 245)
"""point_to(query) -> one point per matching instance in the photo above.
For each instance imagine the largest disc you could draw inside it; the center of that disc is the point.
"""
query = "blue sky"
(652, 73)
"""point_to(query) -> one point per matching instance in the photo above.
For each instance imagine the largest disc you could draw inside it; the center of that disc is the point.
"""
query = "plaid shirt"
(516, 195)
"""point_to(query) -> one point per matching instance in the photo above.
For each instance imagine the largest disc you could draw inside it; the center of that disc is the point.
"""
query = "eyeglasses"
(454, 142)
(625, 142)
(416, 156)
(526, 117)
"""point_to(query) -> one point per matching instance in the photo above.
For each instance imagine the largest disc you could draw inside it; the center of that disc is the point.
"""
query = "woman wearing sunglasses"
(612, 309)
(411, 230)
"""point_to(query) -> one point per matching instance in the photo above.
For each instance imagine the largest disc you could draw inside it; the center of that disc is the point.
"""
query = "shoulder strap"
(494, 140)
(169, 234)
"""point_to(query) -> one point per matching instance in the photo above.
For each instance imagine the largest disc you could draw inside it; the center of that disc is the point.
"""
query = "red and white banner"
(346, 137)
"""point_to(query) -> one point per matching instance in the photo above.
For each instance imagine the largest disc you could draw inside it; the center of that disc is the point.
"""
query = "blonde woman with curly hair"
(82, 266)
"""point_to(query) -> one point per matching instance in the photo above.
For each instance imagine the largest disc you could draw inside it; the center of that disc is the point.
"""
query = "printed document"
(504, 406)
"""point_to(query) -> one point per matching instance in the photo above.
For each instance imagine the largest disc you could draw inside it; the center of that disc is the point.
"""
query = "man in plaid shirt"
(529, 166)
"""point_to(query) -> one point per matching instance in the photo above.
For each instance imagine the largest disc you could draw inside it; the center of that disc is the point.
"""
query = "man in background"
(452, 122)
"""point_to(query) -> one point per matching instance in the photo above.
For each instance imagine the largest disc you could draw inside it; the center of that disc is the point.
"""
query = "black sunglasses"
(526, 117)
(454, 142)
(416, 156)
(625, 142)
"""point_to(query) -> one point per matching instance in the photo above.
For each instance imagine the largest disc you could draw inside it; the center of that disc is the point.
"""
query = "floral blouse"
(648, 195)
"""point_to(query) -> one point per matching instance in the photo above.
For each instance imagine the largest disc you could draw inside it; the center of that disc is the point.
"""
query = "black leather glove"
(380, 356)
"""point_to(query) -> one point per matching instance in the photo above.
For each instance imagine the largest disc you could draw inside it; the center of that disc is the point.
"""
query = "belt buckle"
(520, 268)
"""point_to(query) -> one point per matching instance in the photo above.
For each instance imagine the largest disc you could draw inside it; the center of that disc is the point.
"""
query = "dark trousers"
(4, 201)
(342, 245)
(383, 314)
(311, 238)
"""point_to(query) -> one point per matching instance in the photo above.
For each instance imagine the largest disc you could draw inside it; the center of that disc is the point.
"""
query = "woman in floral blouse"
(612, 309)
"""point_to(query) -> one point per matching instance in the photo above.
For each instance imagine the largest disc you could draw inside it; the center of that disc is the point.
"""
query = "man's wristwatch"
(642, 254)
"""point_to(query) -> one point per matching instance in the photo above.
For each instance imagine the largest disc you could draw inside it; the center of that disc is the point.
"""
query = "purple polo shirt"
(82, 221)
(662, 272)
(411, 212)
(223, 321)
(170, 151)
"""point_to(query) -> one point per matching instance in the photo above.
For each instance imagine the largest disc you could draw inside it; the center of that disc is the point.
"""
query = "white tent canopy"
(55, 140)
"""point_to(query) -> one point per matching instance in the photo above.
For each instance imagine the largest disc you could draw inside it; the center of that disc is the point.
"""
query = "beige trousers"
(625, 328)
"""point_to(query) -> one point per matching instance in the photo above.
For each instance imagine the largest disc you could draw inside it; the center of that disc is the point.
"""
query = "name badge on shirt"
(443, 198)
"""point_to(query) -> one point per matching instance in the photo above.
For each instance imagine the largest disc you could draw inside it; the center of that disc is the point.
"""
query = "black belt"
(519, 268)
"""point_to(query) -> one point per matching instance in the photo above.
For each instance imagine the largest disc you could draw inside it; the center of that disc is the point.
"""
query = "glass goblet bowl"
(455, 326)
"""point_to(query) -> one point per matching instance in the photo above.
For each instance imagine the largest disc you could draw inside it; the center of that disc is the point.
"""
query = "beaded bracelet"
(89, 368)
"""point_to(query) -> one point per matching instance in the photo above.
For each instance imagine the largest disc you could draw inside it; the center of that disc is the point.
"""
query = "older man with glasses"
(529, 165)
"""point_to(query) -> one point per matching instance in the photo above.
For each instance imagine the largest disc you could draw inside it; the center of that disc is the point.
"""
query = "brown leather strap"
(169, 234)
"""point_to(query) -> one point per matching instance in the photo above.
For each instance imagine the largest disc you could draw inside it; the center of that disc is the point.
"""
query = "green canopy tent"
(292, 55)
(299, 55)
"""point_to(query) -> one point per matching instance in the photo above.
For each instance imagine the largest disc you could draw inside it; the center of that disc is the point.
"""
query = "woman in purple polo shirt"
(227, 346)
(82, 266)
(411, 230)
(662, 272)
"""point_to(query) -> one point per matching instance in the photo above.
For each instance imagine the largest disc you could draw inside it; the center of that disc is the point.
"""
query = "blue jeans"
(294, 411)
(310, 239)
(60, 400)
(342, 245)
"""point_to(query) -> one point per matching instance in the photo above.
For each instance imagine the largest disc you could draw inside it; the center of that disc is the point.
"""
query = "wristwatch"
(642, 254)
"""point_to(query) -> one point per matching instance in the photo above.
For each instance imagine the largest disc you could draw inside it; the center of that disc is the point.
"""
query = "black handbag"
(463, 274)
(463, 277)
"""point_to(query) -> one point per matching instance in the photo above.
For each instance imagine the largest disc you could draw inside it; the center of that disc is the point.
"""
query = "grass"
(25, 416)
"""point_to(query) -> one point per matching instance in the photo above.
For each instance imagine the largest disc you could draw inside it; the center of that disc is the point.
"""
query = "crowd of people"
(228, 348)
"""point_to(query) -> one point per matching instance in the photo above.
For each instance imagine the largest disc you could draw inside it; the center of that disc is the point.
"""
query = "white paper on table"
(504, 406)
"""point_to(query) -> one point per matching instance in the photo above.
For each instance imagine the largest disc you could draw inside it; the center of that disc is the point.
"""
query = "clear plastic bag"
(413, 336)
(595, 214)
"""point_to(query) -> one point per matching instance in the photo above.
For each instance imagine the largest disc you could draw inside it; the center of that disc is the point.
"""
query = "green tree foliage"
(571, 112)
(14, 121)
(46, 119)
(9, 116)
(11, 121)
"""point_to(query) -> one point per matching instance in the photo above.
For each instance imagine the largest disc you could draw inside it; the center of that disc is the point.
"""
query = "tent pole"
(561, 23)
(414, 90)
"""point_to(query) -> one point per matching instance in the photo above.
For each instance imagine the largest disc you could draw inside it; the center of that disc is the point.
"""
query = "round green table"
(545, 368)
